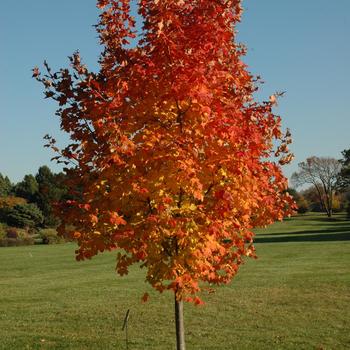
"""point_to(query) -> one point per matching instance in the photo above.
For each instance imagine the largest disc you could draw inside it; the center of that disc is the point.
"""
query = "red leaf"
(145, 298)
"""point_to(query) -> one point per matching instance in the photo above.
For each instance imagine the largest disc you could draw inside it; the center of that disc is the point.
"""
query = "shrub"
(50, 236)
(22, 215)
(14, 242)
(13, 236)
(303, 205)
(11, 232)
(11, 201)
(8, 242)
(20, 233)
(336, 205)
(2, 230)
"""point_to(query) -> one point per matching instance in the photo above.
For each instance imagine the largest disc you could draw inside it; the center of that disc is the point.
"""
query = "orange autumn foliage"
(172, 160)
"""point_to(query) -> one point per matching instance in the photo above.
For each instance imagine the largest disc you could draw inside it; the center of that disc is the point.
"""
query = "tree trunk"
(331, 203)
(179, 321)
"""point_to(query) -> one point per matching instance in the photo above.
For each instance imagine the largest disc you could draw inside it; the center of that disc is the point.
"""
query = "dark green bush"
(22, 215)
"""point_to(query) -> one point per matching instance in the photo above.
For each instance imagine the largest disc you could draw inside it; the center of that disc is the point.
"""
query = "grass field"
(295, 296)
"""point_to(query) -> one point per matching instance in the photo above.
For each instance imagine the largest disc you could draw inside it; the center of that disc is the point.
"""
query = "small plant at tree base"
(171, 160)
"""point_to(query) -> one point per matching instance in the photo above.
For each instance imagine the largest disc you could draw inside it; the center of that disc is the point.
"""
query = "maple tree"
(172, 160)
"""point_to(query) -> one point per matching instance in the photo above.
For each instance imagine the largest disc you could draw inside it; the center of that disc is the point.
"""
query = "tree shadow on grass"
(331, 221)
(341, 233)
(339, 229)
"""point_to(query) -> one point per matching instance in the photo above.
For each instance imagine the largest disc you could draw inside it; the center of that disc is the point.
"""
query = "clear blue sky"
(300, 46)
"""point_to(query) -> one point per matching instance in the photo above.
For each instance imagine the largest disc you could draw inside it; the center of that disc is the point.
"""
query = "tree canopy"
(50, 191)
(174, 160)
(27, 188)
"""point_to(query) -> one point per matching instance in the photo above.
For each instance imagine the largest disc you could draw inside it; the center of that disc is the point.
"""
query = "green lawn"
(295, 296)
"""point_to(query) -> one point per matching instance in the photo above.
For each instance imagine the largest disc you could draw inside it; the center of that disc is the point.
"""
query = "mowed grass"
(296, 295)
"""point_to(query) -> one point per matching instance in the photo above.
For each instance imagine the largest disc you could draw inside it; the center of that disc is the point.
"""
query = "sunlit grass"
(296, 295)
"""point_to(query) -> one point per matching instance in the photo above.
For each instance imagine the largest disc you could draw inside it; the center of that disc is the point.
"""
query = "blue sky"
(300, 46)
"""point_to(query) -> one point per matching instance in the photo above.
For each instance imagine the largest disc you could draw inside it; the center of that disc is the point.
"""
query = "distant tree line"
(26, 208)
(329, 184)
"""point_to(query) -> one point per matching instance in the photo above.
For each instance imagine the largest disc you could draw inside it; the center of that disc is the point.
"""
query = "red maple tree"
(173, 163)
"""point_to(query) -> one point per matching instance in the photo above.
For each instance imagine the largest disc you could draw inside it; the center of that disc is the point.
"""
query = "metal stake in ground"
(125, 326)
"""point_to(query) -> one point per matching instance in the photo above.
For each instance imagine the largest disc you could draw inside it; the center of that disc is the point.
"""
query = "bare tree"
(323, 174)
(344, 178)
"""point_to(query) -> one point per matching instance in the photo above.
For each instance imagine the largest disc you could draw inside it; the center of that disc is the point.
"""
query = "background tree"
(50, 191)
(344, 179)
(169, 152)
(312, 197)
(28, 188)
(323, 174)
(5, 186)
(300, 200)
